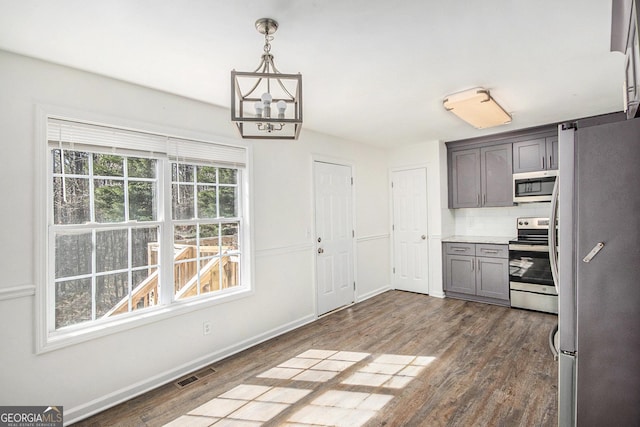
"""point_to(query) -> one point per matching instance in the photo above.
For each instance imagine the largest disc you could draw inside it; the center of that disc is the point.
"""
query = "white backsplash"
(495, 221)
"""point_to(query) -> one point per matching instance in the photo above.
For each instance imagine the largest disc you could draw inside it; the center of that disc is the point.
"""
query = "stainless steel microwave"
(534, 186)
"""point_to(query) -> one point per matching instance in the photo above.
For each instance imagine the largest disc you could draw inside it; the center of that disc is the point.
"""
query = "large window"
(137, 221)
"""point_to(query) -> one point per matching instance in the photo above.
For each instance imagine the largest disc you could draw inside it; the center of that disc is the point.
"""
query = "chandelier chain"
(267, 46)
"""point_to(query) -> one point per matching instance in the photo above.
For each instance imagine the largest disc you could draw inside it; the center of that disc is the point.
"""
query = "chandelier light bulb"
(266, 98)
(282, 106)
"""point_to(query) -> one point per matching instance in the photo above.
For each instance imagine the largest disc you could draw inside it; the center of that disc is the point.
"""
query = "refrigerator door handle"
(597, 248)
(553, 244)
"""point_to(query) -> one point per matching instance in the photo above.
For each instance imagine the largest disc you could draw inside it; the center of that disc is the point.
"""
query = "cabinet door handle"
(460, 249)
(550, 161)
(490, 251)
(484, 199)
(542, 162)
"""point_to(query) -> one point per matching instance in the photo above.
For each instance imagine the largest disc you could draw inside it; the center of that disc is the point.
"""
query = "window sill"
(72, 336)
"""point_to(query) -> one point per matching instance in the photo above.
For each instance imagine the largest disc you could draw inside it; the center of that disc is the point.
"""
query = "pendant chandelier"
(265, 103)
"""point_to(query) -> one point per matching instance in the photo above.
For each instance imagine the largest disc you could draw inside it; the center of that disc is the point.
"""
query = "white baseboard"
(95, 406)
(374, 293)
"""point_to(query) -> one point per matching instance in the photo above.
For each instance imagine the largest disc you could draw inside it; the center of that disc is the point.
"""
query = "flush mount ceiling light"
(265, 103)
(477, 107)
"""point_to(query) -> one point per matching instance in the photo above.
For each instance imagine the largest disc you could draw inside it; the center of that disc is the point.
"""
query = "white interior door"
(334, 236)
(410, 260)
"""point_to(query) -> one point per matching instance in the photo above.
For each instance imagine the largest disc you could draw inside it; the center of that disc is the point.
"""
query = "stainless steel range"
(530, 278)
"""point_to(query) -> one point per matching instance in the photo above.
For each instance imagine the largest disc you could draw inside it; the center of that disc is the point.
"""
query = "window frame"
(48, 338)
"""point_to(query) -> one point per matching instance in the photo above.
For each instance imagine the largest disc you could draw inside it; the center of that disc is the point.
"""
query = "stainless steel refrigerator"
(599, 272)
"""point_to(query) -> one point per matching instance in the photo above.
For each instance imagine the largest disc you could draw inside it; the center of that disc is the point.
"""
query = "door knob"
(423, 237)
(320, 250)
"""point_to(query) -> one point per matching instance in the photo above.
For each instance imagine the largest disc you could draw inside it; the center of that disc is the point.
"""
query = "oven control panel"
(533, 223)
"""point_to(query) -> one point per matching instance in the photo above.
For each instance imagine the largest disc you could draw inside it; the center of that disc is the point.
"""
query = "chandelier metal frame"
(264, 88)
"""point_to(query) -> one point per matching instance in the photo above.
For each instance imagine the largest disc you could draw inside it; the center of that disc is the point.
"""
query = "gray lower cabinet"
(478, 272)
(491, 282)
(461, 274)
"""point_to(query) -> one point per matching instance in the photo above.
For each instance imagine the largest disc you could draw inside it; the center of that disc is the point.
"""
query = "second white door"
(334, 236)
(410, 240)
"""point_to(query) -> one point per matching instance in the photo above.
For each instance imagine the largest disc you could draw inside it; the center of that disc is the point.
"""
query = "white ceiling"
(374, 71)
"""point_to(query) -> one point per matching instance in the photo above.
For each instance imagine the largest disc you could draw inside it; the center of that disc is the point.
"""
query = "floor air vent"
(192, 378)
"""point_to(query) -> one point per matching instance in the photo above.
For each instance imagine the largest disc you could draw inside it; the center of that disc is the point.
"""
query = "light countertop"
(494, 240)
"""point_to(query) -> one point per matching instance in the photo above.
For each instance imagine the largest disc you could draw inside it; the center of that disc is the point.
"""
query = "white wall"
(86, 377)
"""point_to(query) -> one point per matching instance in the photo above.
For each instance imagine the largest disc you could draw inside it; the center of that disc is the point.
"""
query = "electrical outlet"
(206, 328)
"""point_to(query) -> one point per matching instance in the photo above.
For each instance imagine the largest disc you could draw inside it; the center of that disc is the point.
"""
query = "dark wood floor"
(492, 366)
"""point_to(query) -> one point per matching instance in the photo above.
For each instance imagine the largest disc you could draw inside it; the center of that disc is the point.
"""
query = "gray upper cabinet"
(495, 175)
(480, 170)
(529, 155)
(552, 152)
(481, 177)
(465, 179)
(535, 154)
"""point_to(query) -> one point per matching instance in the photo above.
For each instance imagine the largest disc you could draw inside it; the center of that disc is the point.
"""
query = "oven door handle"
(528, 248)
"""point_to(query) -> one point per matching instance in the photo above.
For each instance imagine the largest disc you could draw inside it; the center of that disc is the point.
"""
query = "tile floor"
(253, 405)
